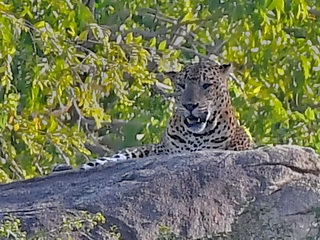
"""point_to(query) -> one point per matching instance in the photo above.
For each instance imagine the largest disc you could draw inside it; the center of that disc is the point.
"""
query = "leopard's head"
(201, 92)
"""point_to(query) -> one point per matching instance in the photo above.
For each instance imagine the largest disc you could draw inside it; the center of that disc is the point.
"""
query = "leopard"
(203, 119)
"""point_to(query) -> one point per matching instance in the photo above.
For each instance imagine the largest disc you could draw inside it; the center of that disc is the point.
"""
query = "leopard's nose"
(190, 106)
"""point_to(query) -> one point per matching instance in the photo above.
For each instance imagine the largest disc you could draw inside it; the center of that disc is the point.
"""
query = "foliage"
(76, 74)
(10, 228)
(165, 233)
(54, 85)
(81, 223)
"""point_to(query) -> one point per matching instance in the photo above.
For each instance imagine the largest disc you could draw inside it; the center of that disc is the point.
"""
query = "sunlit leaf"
(187, 17)
(310, 114)
(257, 89)
(306, 66)
(40, 24)
(162, 45)
(129, 38)
(153, 42)
(16, 127)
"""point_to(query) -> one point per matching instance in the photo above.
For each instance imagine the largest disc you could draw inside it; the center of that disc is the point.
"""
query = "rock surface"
(266, 193)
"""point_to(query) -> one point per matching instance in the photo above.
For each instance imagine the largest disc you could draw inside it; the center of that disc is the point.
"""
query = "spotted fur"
(204, 117)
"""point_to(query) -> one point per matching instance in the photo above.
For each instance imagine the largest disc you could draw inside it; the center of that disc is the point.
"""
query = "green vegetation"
(78, 224)
(10, 227)
(76, 74)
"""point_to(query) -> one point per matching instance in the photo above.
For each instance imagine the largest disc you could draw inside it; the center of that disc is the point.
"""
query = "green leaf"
(138, 39)
(306, 65)
(162, 45)
(2, 69)
(277, 4)
(187, 17)
(83, 35)
(256, 90)
(280, 71)
(4, 178)
(84, 13)
(153, 42)
(40, 24)
(129, 38)
(310, 114)
(53, 125)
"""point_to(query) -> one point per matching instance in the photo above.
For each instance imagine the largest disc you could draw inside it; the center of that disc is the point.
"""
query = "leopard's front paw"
(102, 160)
(61, 168)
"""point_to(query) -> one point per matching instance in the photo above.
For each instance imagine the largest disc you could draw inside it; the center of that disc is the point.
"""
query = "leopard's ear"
(226, 68)
(172, 75)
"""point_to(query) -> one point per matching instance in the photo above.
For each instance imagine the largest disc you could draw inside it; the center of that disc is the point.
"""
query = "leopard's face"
(201, 92)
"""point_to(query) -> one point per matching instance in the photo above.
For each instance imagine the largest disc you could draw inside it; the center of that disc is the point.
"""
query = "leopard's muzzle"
(197, 123)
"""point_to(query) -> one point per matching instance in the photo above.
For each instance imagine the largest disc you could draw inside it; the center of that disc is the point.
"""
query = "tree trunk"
(265, 193)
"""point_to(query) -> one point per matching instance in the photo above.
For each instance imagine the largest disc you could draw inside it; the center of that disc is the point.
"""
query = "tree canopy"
(81, 78)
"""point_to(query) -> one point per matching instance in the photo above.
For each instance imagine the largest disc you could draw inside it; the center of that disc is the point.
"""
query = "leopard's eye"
(182, 85)
(206, 85)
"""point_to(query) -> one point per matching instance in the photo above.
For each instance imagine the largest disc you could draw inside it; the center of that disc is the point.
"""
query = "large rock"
(266, 193)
